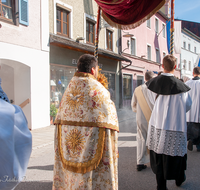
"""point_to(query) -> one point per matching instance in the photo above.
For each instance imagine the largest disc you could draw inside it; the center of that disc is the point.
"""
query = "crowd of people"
(168, 115)
(86, 135)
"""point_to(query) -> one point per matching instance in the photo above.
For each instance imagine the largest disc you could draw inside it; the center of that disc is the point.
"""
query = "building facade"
(190, 50)
(146, 48)
(72, 33)
(24, 57)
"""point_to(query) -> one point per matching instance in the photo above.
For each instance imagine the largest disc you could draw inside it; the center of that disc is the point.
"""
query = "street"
(40, 170)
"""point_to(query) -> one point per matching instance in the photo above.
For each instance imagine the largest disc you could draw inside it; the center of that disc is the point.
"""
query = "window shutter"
(23, 12)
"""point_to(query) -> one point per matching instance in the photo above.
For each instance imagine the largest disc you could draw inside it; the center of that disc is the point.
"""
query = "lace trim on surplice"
(173, 143)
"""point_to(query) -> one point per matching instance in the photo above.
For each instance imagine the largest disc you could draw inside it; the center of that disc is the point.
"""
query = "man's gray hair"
(149, 75)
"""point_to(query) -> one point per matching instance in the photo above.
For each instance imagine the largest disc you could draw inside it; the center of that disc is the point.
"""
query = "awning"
(128, 14)
(68, 43)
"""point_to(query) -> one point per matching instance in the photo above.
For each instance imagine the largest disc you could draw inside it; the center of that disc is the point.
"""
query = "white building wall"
(36, 83)
(25, 51)
(188, 55)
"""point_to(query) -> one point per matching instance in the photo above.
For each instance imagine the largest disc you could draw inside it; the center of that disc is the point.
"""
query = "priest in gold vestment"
(86, 152)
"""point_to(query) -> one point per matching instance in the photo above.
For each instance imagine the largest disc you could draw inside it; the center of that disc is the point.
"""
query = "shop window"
(109, 39)
(127, 87)
(111, 84)
(90, 30)
(62, 20)
(60, 78)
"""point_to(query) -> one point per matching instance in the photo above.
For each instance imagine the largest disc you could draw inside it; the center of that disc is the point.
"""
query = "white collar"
(167, 74)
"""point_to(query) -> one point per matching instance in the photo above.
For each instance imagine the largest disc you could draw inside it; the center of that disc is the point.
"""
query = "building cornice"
(191, 34)
(64, 42)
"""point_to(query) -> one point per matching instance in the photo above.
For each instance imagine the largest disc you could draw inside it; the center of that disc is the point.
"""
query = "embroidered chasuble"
(86, 152)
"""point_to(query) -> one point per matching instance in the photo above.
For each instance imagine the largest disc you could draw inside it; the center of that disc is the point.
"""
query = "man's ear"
(92, 70)
(162, 66)
(175, 67)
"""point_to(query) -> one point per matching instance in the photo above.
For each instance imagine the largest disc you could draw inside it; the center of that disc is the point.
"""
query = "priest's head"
(149, 75)
(196, 72)
(169, 64)
(88, 64)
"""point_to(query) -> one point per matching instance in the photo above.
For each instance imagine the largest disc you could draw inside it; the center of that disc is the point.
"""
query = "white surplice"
(167, 131)
(142, 126)
(194, 114)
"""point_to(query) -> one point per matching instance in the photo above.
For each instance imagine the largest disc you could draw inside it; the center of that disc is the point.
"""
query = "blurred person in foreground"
(15, 143)
(143, 107)
(86, 150)
(167, 131)
(193, 116)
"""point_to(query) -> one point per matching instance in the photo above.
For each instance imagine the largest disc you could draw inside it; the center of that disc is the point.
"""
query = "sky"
(187, 10)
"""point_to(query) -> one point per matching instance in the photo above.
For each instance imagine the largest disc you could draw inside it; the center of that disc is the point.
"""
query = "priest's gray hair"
(149, 75)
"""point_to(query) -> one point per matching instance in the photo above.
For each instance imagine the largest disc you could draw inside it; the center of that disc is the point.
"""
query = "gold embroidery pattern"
(74, 143)
(74, 98)
(105, 176)
(87, 103)
(85, 166)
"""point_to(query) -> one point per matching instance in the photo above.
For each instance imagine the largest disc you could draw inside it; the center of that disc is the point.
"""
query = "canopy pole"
(97, 33)
(172, 29)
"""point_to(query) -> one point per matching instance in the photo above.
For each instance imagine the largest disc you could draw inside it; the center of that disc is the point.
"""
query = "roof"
(194, 27)
(68, 43)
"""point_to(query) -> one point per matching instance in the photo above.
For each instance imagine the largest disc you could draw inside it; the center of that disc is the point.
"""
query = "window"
(184, 64)
(90, 32)
(109, 41)
(189, 65)
(189, 47)
(111, 84)
(164, 29)
(62, 20)
(184, 45)
(156, 25)
(133, 47)
(164, 54)
(148, 52)
(140, 80)
(6, 10)
(60, 77)
(157, 56)
(127, 87)
(195, 50)
(149, 23)
(14, 14)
